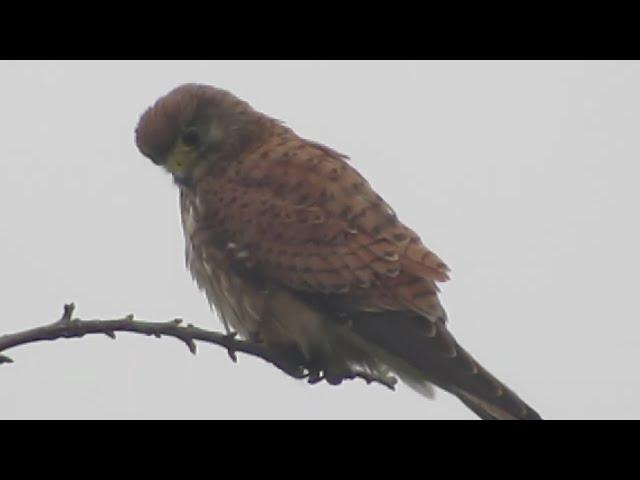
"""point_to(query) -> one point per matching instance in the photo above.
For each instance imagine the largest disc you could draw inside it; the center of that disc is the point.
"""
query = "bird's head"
(197, 125)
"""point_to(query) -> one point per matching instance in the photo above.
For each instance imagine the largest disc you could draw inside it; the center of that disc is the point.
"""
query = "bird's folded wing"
(304, 217)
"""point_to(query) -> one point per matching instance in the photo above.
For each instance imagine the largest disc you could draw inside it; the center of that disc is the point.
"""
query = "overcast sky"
(522, 176)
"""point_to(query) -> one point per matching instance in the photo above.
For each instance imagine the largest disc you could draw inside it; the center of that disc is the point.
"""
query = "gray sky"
(522, 176)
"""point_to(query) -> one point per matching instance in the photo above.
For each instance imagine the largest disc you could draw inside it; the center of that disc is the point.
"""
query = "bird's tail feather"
(432, 355)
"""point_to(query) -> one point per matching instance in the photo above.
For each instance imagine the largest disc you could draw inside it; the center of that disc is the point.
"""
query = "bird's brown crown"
(162, 123)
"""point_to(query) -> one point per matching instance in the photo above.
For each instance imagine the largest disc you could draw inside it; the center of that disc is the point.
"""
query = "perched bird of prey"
(297, 252)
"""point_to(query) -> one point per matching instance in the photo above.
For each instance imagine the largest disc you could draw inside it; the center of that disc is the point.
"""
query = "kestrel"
(296, 251)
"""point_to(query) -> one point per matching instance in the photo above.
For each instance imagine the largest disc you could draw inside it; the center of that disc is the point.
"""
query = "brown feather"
(295, 249)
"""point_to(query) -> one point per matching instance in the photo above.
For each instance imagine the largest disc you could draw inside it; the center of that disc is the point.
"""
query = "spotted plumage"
(295, 250)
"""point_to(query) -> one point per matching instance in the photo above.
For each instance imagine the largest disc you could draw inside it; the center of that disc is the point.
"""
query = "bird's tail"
(426, 352)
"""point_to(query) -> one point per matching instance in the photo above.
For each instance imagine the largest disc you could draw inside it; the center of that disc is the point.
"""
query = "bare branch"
(69, 327)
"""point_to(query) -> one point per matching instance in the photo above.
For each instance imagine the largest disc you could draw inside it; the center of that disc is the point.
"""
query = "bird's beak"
(179, 167)
(174, 164)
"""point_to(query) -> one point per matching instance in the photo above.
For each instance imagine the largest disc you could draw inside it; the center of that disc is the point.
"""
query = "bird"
(296, 251)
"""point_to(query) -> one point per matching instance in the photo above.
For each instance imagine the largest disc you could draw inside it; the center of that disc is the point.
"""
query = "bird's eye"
(191, 138)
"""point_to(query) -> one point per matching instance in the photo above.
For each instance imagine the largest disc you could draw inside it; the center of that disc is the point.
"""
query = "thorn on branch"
(111, 334)
(5, 359)
(191, 345)
(231, 336)
(232, 355)
(67, 313)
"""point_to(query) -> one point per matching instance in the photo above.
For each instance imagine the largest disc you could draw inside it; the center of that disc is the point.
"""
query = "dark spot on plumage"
(276, 212)
(264, 181)
(337, 239)
(302, 217)
(280, 189)
(399, 237)
(303, 199)
(413, 280)
(323, 197)
(346, 211)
